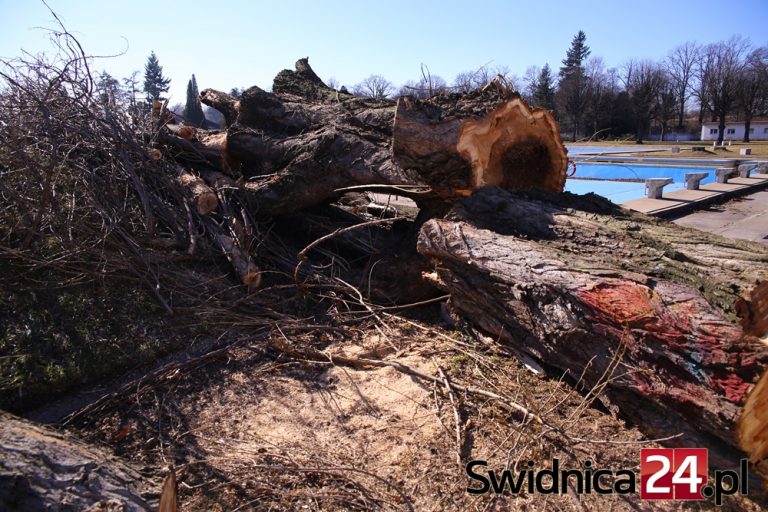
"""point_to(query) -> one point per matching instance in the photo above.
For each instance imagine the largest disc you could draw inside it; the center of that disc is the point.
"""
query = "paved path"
(680, 199)
(744, 218)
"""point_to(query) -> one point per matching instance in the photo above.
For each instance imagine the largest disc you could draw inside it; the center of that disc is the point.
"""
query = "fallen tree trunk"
(641, 306)
(44, 470)
(298, 146)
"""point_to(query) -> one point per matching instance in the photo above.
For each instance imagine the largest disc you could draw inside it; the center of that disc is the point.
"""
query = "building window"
(730, 131)
(713, 131)
(765, 130)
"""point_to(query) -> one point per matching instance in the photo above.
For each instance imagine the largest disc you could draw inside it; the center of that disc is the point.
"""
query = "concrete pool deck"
(744, 218)
(678, 201)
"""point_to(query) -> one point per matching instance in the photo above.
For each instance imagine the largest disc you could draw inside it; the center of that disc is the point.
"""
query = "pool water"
(620, 191)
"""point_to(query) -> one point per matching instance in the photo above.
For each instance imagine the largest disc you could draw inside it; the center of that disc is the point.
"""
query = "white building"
(734, 131)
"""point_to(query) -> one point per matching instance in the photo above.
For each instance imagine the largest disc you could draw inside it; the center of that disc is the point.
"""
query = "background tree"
(237, 92)
(193, 110)
(719, 70)
(680, 65)
(643, 81)
(130, 88)
(600, 89)
(572, 90)
(471, 80)
(530, 81)
(544, 90)
(667, 103)
(155, 84)
(375, 86)
(426, 87)
(752, 87)
(332, 83)
(108, 90)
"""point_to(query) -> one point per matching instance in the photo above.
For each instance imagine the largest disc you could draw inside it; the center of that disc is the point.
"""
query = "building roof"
(760, 120)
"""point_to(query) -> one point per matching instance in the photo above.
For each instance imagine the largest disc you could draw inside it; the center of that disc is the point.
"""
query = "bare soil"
(267, 429)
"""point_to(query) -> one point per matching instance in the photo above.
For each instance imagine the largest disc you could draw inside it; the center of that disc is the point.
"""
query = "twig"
(456, 417)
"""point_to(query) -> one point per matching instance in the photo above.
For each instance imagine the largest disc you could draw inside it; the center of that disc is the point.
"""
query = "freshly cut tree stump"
(589, 288)
(459, 144)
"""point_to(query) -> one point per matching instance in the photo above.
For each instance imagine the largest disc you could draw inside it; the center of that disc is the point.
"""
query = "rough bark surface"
(44, 470)
(591, 289)
(299, 145)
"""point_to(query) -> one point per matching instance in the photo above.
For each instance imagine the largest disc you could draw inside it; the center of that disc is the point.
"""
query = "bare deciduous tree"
(752, 87)
(375, 86)
(471, 80)
(427, 86)
(643, 81)
(719, 70)
(601, 88)
(332, 83)
(680, 65)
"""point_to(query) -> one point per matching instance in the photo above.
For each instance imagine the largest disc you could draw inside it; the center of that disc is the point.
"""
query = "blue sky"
(238, 44)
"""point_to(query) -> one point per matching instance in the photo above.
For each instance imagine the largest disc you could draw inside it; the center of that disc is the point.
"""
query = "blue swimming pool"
(620, 191)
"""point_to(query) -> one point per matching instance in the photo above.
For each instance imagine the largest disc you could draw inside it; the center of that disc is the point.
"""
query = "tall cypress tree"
(193, 111)
(155, 84)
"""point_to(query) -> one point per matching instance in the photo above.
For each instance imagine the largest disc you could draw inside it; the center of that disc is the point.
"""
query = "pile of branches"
(87, 196)
(93, 200)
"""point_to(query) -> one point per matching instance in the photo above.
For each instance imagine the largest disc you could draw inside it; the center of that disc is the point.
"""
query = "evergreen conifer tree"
(193, 110)
(155, 84)
(572, 91)
(544, 92)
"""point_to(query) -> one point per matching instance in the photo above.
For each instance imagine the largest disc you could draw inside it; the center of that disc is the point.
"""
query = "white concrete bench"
(693, 179)
(745, 169)
(723, 173)
(745, 151)
(654, 186)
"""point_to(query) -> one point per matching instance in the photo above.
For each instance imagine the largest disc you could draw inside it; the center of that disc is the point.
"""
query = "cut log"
(302, 142)
(203, 197)
(588, 288)
(241, 261)
(459, 146)
(44, 470)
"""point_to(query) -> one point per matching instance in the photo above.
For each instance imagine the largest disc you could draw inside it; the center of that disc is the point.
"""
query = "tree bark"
(673, 314)
(302, 143)
(44, 470)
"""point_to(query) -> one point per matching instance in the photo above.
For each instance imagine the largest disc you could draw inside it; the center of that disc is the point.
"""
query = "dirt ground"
(299, 421)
